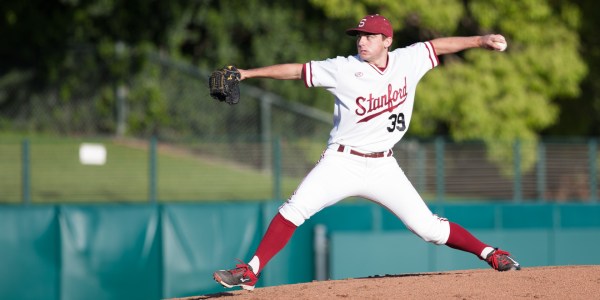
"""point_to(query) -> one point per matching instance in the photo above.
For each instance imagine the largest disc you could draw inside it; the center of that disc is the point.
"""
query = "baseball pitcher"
(374, 94)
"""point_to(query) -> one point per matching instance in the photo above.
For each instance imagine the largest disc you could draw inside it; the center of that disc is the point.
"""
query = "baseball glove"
(224, 85)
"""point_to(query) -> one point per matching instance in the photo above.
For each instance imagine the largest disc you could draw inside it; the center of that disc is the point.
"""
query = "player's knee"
(434, 239)
(293, 213)
(436, 231)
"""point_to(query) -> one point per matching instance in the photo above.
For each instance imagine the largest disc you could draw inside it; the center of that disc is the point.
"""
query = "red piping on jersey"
(307, 80)
(437, 59)
(378, 69)
(304, 74)
(432, 50)
(387, 61)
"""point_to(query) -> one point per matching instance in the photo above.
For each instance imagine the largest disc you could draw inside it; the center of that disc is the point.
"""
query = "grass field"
(56, 175)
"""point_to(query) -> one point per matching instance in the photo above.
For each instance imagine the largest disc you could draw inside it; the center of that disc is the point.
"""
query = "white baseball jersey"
(373, 107)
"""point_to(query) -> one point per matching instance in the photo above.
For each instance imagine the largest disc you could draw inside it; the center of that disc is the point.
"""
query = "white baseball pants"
(339, 175)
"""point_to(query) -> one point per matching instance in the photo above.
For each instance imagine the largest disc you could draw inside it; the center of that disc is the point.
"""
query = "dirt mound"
(564, 282)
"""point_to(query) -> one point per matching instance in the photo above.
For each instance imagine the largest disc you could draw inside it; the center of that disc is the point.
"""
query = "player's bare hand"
(493, 42)
(242, 74)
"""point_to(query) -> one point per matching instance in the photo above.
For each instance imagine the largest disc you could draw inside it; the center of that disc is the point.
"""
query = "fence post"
(276, 169)
(320, 248)
(265, 131)
(541, 171)
(517, 184)
(152, 171)
(593, 153)
(121, 93)
(421, 167)
(25, 168)
(439, 164)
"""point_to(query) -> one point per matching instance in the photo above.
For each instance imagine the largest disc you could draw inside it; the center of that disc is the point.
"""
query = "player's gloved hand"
(224, 85)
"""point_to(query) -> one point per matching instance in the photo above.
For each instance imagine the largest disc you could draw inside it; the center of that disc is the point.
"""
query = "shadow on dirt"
(212, 296)
(407, 275)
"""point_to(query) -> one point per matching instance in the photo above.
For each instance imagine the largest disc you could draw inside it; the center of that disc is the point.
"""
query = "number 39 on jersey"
(397, 122)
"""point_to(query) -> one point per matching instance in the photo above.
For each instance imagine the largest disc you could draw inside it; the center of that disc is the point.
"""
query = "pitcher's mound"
(560, 282)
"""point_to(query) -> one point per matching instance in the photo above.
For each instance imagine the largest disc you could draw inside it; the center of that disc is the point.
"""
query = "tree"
(73, 49)
(581, 115)
(65, 57)
(255, 33)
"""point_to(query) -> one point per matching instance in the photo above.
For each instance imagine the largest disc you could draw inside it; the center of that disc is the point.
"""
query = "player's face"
(372, 47)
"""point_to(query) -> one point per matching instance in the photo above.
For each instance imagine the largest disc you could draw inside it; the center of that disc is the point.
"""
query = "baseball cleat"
(501, 261)
(241, 276)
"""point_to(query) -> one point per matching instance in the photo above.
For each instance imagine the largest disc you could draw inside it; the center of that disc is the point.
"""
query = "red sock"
(461, 239)
(278, 234)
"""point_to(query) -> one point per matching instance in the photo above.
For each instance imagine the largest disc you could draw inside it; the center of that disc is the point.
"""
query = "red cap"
(373, 24)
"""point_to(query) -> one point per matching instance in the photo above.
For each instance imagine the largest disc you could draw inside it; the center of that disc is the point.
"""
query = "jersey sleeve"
(320, 73)
(424, 57)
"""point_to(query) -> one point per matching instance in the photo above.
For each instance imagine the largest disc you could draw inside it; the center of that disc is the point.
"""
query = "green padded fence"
(199, 239)
(29, 253)
(110, 252)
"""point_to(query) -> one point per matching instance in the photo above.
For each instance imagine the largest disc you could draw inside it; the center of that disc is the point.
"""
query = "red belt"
(370, 155)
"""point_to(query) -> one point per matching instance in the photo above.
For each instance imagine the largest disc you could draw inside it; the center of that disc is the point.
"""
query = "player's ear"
(387, 41)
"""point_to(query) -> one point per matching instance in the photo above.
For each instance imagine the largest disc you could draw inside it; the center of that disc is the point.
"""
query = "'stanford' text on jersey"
(373, 107)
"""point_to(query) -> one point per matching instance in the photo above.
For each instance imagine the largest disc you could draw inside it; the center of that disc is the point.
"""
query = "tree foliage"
(63, 54)
(256, 33)
(581, 115)
(61, 59)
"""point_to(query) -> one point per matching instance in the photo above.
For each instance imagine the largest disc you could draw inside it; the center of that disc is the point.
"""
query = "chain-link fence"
(50, 170)
(563, 171)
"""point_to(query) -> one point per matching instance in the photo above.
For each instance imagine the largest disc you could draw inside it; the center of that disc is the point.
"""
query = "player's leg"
(333, 179)
(463, 240)
(392, 189)
(244, 275)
